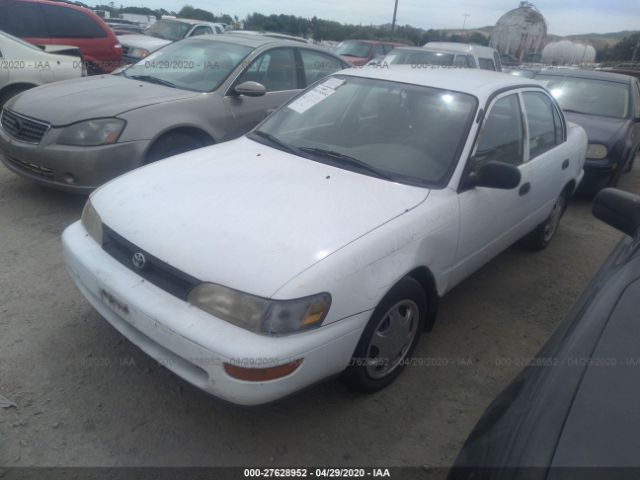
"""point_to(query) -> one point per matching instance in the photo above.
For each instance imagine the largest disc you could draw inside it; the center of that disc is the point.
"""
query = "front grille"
(31, 167)
(23, 128)
(156, 271)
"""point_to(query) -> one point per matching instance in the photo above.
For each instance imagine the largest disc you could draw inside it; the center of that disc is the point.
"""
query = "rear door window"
(275, 69)
(318, 65)
(23, 19)
(486, 64)
(69, 23)
(201, 30)
(542, 131)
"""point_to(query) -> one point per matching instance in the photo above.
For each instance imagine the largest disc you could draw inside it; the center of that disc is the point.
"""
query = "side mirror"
(619, 209)
(495, 175)
(250, 89)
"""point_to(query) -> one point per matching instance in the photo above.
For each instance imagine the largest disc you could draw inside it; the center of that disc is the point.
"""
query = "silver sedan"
(78, 134)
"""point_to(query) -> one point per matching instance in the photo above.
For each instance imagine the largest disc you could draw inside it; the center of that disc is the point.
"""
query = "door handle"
(565, 164)
(524, 189)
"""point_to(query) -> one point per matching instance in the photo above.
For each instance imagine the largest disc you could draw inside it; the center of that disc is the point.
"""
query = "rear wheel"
(541, 237)
(172, 144)
(389, 338)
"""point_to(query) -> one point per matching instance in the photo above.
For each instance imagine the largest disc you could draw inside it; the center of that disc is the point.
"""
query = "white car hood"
(245, 215)
(143, 41)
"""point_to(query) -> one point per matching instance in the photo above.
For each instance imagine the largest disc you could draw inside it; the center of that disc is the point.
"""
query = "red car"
(360, 52)
(43, 22)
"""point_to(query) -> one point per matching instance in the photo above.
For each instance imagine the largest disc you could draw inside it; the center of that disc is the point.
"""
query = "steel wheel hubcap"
(392, 338)
(554, 219)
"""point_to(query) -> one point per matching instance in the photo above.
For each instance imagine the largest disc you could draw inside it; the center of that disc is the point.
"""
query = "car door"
(277, 70)
(548, 152)
(635, 135)
(4, 67)
(492, 219)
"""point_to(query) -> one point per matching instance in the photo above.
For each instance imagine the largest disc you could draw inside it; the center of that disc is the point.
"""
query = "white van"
(486, 58)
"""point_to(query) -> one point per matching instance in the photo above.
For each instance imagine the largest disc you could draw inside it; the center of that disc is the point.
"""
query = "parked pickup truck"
(321, 242)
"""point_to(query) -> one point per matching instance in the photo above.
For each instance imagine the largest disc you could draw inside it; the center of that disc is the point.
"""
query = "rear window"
(69, 23)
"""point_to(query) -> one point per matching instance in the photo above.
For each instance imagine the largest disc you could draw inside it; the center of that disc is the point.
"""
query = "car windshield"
(588, 96)
(416, 57)
(354, 49)
(406, 133)
(193, 64)
(169, 29)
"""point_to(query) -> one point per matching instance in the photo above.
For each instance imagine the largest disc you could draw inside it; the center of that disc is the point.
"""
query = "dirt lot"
(87, 397)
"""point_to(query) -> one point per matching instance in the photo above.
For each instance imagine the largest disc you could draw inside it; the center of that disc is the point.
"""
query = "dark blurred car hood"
(603, 130)
(63, 103)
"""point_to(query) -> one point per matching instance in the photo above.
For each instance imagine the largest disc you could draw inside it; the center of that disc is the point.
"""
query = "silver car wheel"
(554, 219)
(392, 338)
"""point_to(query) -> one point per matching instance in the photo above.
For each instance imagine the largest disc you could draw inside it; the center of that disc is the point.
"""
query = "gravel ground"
(87, 397)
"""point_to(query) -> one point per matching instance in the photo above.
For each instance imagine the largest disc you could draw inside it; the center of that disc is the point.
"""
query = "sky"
(564, 17)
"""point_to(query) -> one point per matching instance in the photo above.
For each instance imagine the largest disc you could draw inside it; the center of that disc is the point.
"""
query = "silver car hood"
(143, 41)
(63, 103)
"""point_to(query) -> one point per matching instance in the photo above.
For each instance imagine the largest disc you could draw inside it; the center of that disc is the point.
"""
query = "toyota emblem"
(138, 260)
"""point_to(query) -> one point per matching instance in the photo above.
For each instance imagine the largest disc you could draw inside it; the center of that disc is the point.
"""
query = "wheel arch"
(195, 132)
(426, 279)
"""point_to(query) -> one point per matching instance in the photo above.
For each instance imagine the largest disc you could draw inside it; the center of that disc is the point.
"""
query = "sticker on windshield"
(333, 82)
(314, 97)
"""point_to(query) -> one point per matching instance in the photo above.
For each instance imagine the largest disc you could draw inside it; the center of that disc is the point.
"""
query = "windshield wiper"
(347, 160)
(276, 142)
(151, 79)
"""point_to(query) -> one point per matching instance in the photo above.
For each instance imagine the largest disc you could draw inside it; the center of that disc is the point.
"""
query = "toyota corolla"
(320, 243)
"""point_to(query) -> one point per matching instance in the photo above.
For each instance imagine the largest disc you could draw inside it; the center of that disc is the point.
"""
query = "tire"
(402, 311)
(541, 237)
(629, 165)
(11, 92)
(172, 144)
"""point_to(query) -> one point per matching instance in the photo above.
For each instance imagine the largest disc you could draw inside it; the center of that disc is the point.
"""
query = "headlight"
(596, 152)
(260, 315)
(138, 52)
(91, 222)
(103, 131)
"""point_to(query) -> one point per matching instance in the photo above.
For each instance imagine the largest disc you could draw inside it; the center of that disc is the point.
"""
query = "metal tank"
(566, 52)
(521, 33)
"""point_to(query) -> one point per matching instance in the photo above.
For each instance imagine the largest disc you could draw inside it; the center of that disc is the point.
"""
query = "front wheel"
(541, 237)
(389, 338)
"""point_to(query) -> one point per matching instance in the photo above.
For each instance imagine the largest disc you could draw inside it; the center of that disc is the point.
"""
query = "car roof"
(253, 33)
(374, 42)
(255, 41)
(591, 74)
(477, 82)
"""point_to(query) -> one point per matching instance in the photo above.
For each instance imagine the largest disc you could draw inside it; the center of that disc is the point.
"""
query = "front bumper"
(194, 344)
(69, 168)
(598, 174)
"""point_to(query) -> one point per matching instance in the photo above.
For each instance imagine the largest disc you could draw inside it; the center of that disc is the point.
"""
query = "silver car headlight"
(596, 151)
(138, 52)
(91, 222)
(102, 131)
(261, 315)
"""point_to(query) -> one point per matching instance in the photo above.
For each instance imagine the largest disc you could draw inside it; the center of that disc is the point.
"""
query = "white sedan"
(320, 243)
(24, 66)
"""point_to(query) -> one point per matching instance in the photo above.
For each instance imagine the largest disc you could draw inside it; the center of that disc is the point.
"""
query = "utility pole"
(464, 23)
(635, 50)
(393, 24)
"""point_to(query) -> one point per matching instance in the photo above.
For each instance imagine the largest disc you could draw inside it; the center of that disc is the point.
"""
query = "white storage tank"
(566, 52)
(521, 32)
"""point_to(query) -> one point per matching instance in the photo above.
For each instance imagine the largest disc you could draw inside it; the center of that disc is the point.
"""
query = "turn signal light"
(262, 374)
